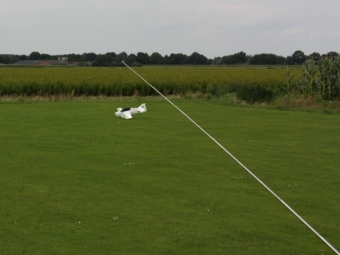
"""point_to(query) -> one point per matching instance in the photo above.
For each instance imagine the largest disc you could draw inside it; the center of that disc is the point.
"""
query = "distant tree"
(74, 57)
(289, 60)
(177, 59)
(98, 61)
(237, 58)
(132, 57)
(23, 57)
(332, 54)
(166, 60)
(129, 61)
(314, 56)
(267, 59)
(88, 57)
(298, 57)
(121, 57)
(111, 54)
(4, 59)
(103, 60)
(35, 56)
(45, 56)
(216, 61)
(142, 58)
(197, 59)
(280, 60)
(12, 59)
(156, 59)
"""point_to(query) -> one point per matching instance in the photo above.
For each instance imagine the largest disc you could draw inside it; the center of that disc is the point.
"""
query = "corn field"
(122, 82)
(317, 77)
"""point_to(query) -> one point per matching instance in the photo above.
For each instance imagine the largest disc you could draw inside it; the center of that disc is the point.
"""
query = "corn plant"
(308, 84)
(290, 85)
(321, 77)
(329, 77)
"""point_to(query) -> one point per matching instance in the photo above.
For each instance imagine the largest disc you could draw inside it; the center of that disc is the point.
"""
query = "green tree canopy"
(332, 54)
(176, 59)
(142, 58)
(197, 59)
(35, 56)
(156, 58)
(88, 57)
(315, 56)
(267, 59)
(299, 57)
(237, 58)
(45, 56)
(23, 57)
(103, 60)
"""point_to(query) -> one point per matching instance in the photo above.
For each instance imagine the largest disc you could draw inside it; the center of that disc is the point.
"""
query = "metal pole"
(239, 162)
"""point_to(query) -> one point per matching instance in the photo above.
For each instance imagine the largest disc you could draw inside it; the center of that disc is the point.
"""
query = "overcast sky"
(210, 27)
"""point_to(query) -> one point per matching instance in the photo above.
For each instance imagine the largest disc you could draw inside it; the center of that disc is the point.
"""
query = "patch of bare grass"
(70, 97)
(310, 103)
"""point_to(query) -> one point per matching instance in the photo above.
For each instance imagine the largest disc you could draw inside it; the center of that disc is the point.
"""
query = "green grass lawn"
(75, 179)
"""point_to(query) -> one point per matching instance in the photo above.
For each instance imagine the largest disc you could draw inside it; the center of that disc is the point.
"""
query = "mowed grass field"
(75, 179)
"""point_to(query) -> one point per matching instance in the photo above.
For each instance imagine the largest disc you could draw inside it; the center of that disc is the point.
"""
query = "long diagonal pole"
(239, 162)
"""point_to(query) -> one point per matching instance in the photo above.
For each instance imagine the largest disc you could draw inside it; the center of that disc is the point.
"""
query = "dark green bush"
(255, 94)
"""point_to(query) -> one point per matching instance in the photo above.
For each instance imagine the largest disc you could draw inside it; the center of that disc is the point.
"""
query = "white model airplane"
(126, 113)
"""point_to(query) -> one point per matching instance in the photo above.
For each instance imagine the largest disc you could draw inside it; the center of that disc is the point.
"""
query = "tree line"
(141, 58)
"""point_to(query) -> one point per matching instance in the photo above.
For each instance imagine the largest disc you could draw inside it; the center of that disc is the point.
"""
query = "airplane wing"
(126, 115)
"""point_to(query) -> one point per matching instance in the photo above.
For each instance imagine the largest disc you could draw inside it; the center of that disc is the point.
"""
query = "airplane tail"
(117, 113)
(142, 108)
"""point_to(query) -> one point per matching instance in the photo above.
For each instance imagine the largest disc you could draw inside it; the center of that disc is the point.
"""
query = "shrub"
(255, 94)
